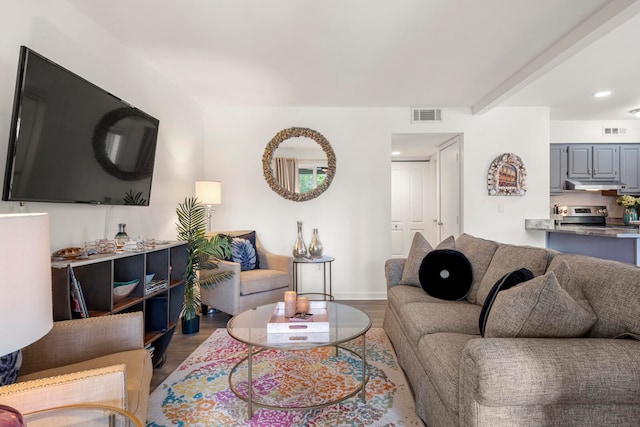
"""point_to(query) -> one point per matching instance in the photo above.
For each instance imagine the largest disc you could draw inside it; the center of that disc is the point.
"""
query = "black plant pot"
(191, 326)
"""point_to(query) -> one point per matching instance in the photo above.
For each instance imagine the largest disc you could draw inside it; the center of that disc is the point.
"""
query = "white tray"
(297, 338)
(318, 323)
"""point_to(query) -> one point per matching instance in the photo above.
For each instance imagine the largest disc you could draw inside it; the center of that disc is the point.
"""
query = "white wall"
(590, 131)
(58, 31)
(353, 216)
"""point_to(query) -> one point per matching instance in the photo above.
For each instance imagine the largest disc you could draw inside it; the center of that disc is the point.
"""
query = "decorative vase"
(121, 238)
(630, 214)
(315, 247)
(122, 234)
(299, 249)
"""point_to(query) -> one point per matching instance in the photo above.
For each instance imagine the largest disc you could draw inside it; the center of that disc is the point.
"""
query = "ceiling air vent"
(426, 115)
(609, 131)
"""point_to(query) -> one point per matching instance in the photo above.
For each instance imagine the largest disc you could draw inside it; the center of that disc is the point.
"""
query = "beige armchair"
(100, 360)
(251, 288)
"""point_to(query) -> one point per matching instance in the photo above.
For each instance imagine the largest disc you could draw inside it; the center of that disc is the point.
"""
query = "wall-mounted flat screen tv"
(72, 142)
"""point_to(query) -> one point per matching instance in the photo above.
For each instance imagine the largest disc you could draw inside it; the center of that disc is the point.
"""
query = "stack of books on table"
(155, 285)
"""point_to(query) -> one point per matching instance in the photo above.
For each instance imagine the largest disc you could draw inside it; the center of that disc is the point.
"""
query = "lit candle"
(289, 304)
(303, 305)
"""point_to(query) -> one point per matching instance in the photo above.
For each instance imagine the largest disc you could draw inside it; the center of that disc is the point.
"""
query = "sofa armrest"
(226, 295)
(105, 386)
(393, 268)
(502, 372)
(72, 341)
(271, 261)
(226, 266)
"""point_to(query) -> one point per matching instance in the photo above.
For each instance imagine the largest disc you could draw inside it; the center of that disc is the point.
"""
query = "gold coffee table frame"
(346, 324)
(109, 415)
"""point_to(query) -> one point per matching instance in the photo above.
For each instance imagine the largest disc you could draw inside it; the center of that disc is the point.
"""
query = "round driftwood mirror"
(299, 164)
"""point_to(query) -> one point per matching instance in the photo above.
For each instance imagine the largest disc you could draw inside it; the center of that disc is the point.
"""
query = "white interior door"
(449, 189)
(411, 184)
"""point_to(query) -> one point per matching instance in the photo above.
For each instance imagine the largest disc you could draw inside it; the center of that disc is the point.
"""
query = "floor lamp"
(26, 312)
(209, 193)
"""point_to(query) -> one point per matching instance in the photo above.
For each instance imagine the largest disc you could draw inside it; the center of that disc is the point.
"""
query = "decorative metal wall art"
(507, 176)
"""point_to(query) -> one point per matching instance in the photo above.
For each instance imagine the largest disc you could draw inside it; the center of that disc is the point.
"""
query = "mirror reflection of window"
(112, 146)
(310, 175)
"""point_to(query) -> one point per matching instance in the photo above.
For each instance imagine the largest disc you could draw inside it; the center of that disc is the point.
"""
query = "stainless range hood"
(575, 185)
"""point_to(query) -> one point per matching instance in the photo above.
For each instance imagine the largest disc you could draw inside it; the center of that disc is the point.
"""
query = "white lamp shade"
(209, 192)
(26, 312)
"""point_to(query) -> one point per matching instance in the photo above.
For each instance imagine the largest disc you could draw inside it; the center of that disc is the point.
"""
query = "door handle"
(440, 223)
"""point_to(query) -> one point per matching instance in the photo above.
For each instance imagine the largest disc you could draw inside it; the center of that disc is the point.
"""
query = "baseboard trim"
(360, 295)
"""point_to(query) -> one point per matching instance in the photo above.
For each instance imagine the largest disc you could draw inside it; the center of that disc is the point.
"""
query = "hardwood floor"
(182, 345)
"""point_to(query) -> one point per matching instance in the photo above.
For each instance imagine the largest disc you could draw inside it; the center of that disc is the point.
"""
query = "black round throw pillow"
(446, 274)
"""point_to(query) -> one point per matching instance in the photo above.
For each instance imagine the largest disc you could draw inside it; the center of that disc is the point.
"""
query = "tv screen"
(72, 142)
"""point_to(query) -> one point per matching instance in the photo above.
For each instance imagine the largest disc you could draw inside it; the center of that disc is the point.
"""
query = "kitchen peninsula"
(619, 243)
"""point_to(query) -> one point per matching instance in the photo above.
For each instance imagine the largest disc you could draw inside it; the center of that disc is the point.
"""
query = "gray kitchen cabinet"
(630, 168)
(558, 167)
(593, 161)
(580, 161)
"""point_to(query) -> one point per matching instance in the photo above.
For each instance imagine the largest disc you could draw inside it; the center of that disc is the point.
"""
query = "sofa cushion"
(399, 295)
(254, 281)
(421, 318)
(511, 257)
(479, 252)
(105, 386)
(419, 248)
(244, 250)
(612, 289)
(439, 355)
(538, 308)
(507, 281)
(138, 375)
(446, 274)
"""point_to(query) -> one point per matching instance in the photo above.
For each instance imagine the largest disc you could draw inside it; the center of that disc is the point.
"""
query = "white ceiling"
(400, 53)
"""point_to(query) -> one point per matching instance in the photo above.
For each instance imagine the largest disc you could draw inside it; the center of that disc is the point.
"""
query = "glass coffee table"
(346, 324)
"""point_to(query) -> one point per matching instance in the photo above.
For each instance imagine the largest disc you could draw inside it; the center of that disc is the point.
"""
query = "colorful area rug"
(198, 393)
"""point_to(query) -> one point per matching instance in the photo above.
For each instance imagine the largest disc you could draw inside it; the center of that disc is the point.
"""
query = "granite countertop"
(617, 231)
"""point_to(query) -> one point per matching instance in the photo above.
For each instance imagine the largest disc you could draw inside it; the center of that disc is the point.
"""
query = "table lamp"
(209, 193)
(26, 312)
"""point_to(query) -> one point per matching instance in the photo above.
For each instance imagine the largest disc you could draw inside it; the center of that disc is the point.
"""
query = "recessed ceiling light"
(602, 94)
(395, 153)
(636, 112)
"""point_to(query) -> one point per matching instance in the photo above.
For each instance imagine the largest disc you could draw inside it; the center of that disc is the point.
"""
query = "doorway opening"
(426, 188)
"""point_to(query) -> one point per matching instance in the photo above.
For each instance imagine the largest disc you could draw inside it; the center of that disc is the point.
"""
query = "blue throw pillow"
(244, 253)
(9, 366)
(507, 281)
(241, 253)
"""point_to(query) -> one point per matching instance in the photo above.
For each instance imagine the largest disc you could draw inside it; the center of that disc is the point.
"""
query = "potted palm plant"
(202, 253)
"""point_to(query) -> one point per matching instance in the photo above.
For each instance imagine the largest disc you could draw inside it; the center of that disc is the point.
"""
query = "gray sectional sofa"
(559, 350)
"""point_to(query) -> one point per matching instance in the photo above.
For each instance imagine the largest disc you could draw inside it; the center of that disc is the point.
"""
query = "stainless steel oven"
(582, 215)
